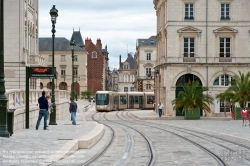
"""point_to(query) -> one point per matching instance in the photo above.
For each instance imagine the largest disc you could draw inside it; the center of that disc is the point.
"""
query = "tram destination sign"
(41, 72)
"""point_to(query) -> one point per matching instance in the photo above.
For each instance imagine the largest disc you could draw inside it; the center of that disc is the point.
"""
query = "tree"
(238, 91)
(86, 93)
(193, 97)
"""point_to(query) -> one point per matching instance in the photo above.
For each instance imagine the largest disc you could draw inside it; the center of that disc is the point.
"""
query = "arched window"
(223, 80)
(131, 78)
(94, 54)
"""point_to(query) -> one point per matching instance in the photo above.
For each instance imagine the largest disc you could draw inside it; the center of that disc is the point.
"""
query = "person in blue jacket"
(43, 112)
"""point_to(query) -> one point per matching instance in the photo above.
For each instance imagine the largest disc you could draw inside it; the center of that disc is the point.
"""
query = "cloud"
(118, 23)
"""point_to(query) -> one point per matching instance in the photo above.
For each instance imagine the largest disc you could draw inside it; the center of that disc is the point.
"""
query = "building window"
(148, 71)
(63, 71)
(50, 58)
(75, 72)
(189, 11)
(63, 58)
(224, 106)
(75, 58)
(223, 80)
(125, 78)
(132, 78)
(132, 89)
(148, 56)
(225, 11)
(125, 66)
(188, 47)
(94, 54)
(148, 86)
(225, 47)
(125, 89)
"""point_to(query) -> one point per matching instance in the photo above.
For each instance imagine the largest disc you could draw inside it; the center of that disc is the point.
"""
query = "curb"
(84, 142)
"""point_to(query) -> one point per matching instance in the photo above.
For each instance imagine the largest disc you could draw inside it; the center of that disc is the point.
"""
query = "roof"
(131, 62)
(78, 38)
(146, 42)
(61, 44)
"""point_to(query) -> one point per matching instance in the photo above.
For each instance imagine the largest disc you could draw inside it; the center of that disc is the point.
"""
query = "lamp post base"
(4, 131)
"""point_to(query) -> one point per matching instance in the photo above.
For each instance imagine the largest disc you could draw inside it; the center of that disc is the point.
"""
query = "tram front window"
(102, 99)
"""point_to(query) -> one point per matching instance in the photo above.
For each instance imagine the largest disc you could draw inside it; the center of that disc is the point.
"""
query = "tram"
(110, 101)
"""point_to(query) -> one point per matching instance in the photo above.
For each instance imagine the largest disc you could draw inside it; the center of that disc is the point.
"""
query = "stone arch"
(173, 84)
(63, 86)
(217, 74)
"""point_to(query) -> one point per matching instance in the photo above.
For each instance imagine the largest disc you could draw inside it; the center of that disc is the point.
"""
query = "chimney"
(87, 41)
(99, 44)
(120, 61)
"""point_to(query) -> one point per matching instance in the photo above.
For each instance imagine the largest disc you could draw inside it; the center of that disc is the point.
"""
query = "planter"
(192, 115)
(237, 113)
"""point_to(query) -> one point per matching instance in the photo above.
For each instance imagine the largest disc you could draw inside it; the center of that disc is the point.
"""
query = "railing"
(16, 97)
(214, 60)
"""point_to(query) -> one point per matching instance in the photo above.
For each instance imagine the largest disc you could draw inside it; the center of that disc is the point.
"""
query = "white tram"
(108, 100)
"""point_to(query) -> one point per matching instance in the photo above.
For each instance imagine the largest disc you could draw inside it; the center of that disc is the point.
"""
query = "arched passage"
(179, 87)
(41, 85)
(63, 86)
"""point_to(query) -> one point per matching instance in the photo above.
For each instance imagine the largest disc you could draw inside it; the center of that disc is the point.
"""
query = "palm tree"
(239, 91)
(193, 97)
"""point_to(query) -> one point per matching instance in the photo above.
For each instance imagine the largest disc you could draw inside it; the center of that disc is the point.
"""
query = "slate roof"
(131, 62)
(78, 38)
(61, 44)
(146, 42)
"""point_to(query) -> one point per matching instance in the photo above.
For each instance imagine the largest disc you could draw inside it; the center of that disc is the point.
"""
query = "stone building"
(63, 64)
(145, 58)
(204, 40)
(127, 74)
(20, 42)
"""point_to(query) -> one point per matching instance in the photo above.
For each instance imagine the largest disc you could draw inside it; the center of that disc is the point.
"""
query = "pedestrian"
(244, 116)
(50, 107)
(93, 101)
(43, 108)
(249, 117)
(160, 107)
(72, 110)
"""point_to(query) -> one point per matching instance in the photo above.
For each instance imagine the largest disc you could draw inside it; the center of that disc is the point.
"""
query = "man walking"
(43, 106)
(72, 110)
(160, 107)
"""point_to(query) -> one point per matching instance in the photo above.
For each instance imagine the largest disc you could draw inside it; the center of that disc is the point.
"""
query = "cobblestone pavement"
(31, 146)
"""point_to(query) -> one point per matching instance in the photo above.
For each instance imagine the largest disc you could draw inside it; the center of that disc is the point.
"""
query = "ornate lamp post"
(64, 76)
(72, 45)
(3, 99)
(53, 13)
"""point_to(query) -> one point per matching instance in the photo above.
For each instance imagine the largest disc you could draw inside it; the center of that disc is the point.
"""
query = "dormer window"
(94, 54)
(125, 67)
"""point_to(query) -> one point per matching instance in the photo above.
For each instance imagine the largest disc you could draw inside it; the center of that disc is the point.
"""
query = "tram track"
(220, 161)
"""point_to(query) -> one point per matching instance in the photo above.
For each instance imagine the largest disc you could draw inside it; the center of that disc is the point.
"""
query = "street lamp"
(77, 88)
(3, 99)
(53, 13)
(72, 45)
(64, 76)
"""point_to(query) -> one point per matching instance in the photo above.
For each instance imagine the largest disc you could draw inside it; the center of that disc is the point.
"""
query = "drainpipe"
(207, 41)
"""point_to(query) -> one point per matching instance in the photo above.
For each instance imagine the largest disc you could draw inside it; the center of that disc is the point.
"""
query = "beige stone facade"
(145, 58)
(63, 64)
(20, 42)
(205, 40)
(127, 74)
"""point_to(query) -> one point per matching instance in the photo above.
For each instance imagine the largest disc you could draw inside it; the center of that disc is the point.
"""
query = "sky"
(118, 23)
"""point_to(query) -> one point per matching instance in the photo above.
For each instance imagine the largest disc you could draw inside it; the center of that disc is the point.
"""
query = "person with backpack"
(72, 110)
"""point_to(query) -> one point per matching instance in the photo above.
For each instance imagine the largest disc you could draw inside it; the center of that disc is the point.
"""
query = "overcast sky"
(117, 22)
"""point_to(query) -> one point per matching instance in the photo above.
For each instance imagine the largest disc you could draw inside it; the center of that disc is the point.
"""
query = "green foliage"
(73, 95)
(239, 91)
(86, 93)
(193, 97)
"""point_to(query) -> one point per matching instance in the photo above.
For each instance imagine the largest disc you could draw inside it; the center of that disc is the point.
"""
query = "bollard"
(10, 120)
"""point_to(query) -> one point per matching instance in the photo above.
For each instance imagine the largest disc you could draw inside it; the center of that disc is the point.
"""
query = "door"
(131, 102)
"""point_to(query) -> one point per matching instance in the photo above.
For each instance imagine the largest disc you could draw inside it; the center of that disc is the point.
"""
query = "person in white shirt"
(160, 107)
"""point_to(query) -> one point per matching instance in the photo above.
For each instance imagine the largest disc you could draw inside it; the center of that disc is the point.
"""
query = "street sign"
(42, 72)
